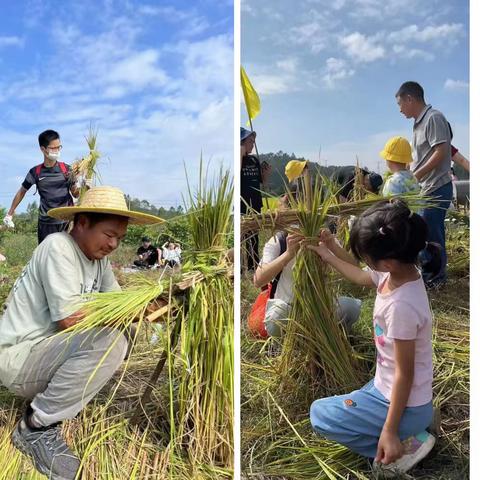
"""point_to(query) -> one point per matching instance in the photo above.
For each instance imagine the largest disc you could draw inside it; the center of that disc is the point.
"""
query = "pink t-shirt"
(403, 314)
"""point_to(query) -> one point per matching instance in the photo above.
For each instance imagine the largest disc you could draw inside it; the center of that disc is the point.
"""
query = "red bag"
(256, 318)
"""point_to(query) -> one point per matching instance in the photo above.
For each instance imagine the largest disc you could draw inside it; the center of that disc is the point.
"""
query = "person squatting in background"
(147, 254)
(171, 254)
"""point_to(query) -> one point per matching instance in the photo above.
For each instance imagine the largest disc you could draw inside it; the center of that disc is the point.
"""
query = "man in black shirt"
(147, 254)
(253, 176)
(54, 182)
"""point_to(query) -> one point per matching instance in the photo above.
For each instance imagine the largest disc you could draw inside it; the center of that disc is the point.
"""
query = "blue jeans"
(435, 218)
(356, 419)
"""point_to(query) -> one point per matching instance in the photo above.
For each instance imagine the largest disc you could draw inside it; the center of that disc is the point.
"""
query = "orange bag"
(256, 318)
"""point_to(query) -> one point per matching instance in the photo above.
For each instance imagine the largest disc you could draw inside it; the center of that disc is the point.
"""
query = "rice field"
(277, 440)
(185, 430)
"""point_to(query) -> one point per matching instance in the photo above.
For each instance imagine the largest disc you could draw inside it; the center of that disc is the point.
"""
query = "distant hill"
(278, 161)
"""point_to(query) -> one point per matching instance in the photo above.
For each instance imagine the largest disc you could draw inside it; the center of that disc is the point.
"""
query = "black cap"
(146, 239)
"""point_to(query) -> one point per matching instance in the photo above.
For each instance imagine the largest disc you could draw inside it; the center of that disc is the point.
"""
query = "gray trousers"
(64, 372)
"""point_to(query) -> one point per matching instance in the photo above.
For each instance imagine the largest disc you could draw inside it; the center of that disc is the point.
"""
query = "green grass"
(277, 440)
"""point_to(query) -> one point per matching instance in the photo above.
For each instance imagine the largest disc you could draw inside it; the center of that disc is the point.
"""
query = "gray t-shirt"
(431, 129)
(49, 289)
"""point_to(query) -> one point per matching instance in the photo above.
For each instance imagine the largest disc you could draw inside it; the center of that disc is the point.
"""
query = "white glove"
(7, 221)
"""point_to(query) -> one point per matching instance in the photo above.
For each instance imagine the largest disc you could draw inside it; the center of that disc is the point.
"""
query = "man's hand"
(293, 244)
(389, 448)
(8, 222)
(71, 320)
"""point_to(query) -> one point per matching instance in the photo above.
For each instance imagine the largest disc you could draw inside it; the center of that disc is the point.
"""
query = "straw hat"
(398, 150)
(109, 200)
(294, 169)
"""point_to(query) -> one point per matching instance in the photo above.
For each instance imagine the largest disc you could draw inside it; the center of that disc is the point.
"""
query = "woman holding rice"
(387, 418)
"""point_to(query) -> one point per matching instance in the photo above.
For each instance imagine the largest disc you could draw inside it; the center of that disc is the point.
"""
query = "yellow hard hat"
(294, 169)
(397, 149)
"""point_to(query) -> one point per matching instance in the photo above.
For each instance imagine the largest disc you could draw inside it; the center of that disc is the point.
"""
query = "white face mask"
(53, 156)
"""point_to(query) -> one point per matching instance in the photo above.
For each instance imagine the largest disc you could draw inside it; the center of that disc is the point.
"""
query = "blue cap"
(245, 133)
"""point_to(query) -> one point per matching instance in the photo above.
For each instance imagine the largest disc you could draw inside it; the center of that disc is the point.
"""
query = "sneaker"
(47, 450)
(416, 449)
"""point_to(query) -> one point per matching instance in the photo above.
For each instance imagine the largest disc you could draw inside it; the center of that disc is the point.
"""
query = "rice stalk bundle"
(86, 166)
(314, 339)
(119, 309)
(284, 219)
(205, 391)
(359, 191)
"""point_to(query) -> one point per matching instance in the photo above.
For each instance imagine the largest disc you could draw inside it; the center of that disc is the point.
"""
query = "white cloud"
(138, 70)
(456, 85)
(12, 41)
(405, 52)
(311, 34)
(413, 33)
(288, 64)
(272, 84)
(336, 70)
(362, 49)
(154, 104)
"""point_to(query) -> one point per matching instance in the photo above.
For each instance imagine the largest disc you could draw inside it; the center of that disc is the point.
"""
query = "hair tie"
(381, 230)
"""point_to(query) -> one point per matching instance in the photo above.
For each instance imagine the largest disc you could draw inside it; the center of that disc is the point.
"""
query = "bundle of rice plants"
(314, 340)
(284, 219)
(205, 392)
(86, 166)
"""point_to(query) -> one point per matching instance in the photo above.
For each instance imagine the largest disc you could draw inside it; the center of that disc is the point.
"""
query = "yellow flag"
(252, 100)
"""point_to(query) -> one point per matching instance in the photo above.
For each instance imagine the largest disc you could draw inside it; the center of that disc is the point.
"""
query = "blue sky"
(156, 77)
(327, 72)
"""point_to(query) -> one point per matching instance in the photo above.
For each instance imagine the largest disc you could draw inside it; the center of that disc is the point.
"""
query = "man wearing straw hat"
(60, 372)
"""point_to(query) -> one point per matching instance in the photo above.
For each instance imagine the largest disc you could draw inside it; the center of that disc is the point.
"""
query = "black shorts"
(45, 229)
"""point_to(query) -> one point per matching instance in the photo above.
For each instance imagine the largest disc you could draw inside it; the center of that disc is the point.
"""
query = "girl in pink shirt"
(387, 418)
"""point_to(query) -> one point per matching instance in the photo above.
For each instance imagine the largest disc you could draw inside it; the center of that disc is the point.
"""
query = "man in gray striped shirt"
(54, 182)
